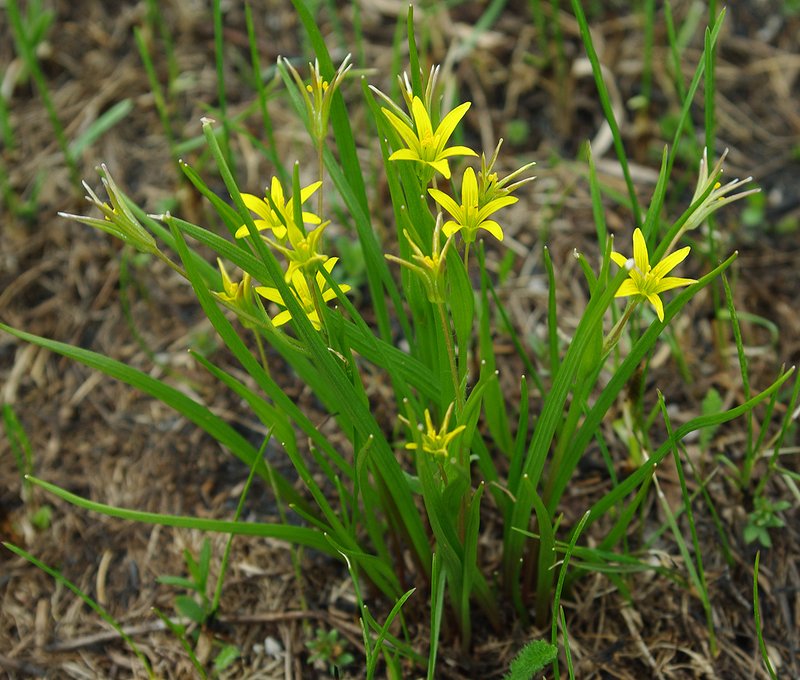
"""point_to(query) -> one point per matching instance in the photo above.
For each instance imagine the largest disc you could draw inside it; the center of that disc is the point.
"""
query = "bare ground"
(103, 441)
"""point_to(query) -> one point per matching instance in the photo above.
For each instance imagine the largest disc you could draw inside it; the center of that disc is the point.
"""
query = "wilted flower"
(235, 294)
(304, 253)
(720, 194)
(119, 220)
(430, 268)
(490, 187)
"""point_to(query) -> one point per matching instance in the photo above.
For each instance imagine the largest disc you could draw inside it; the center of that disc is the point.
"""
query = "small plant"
(763, 518)
(326, 648)
(404, 503)
(533, 658)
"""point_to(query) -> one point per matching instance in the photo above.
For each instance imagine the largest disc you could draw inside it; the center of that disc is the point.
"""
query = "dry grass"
(99, 439)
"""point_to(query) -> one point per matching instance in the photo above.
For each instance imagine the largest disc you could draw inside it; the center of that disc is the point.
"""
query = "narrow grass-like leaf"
(623, 373)
(190, 409)
(26, 47)
(562, 573)
(261, 91)
(384, 630)
(110, 620)
(757, 615)
(605, 102)
(222, 100)
(697, 574)
(438, 581)
(19, 444)
(179, 632)
(236, 517)
(552, 313)
(750, 450)
(613, 497)
(156, 89)
(291, 534)
(99, 127)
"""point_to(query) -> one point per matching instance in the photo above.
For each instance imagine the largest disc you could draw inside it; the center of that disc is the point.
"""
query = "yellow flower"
(234, 294)
(427, 145)
(433, 442)
(269, 219)
(318, 94)
(303, 294)
(648, 282)
(490, 186)
(304, 252)
(470, 216)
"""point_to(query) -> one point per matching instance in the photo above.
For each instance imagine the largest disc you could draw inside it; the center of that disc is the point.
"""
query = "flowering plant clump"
(406, 502)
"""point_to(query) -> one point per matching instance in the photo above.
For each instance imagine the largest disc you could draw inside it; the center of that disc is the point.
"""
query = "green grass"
(386, 500)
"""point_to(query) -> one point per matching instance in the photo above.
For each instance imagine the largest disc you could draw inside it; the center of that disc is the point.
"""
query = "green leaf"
(189, 408)
(533, 657)
(177, 582)
(227, 655)
(186, 606)
(712, 403)
(283, 532)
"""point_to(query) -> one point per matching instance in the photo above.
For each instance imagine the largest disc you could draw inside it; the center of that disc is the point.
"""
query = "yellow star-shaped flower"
(646, 281)
(437, 442)
(304, 294)
(427, 145)
(268, 217)
(469, 216)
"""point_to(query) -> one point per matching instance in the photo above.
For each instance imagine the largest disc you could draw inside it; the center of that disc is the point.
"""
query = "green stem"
(616, 331)
(451, 356)
(321, 164)
(262, 356)
(161, 256)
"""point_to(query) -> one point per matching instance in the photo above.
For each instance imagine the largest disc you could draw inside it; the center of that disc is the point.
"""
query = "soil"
(102, 440)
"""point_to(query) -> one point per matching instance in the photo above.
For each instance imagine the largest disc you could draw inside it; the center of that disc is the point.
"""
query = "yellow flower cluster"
(302, 248)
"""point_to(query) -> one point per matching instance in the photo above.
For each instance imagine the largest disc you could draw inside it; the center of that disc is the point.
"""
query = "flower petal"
(657, 304)
(450, 121)
(258, 206)
(442, 167)
(309, 191)
(671, 282)
(493, 228)
(405, 132)
(405, 155)
(619, 259)
(455, 151)
(447, 203)
(422, 120)
(494, 206)
(450, 228)
(469, 189)
(282, 317)
(640, 252)
(670, 262)
(270, 294)
(628, 287)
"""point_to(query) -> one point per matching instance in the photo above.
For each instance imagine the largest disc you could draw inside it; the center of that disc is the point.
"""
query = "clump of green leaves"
(328, 649)
(197, 610)
(763, 518)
